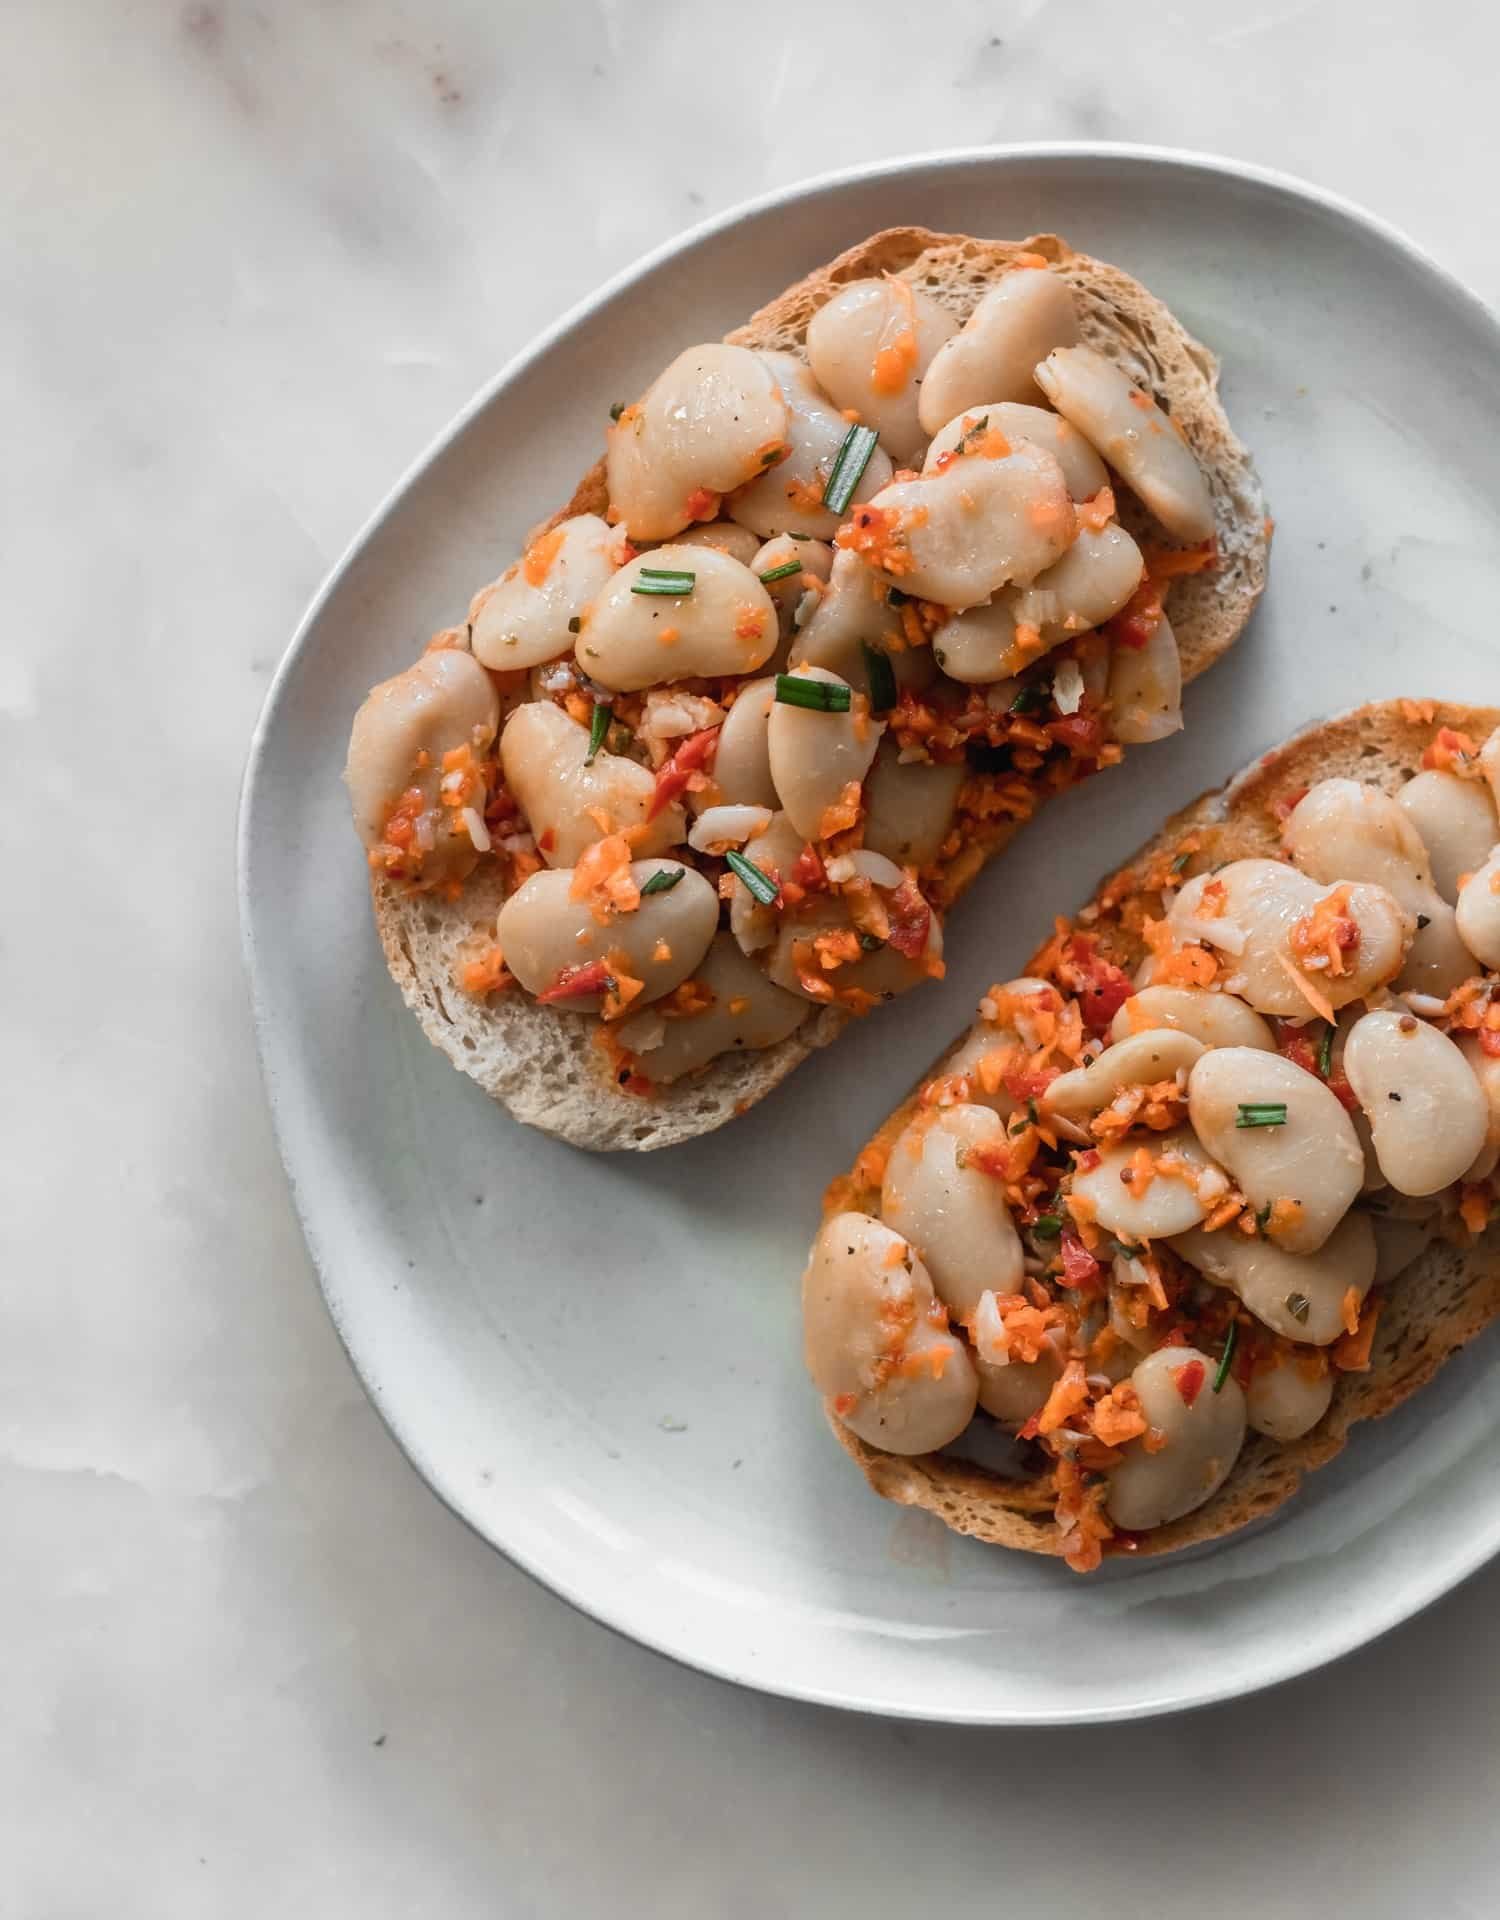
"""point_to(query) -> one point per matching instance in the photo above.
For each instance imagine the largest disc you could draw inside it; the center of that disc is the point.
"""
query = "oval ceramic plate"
(596, 1361)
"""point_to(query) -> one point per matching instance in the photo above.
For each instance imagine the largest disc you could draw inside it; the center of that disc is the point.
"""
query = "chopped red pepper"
(1081, 733)
(911, 921)
(701, 504)
(695, 755)
(1023, 1083)
(1139, 618)
(1293, 1044)
(573, 983)
(1080, 1268)
(808, 871)
(1102, 988)
(1489, 1041)
(1189, 1380)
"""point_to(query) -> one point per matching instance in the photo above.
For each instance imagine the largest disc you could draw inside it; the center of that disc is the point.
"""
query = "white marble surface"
(255, 255)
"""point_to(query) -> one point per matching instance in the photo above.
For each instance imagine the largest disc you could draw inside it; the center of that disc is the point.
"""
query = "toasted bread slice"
(542, 1063)
(1447, 1296)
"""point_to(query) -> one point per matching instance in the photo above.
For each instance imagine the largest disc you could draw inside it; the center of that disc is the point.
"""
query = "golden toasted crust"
(542, 1063)
(1438, 1304)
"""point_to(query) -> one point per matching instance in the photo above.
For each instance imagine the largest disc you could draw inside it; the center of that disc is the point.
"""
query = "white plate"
(596, 1362)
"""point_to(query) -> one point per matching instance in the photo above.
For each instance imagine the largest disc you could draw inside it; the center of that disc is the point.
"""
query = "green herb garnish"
(818, 696)
(1325, 1052)
(1263, 1217)
(1226, 1356)
(961, 445)
(882, 677)
(1261, 1113)
(783, 572)
(616, 410)
(1180, 862)
(849, 467)
(871, 942)
(1298, 1306)
(1047, 1226)
(1031, 699)
(598, 728)
(663, 580)
(663, 880)
(761, 885)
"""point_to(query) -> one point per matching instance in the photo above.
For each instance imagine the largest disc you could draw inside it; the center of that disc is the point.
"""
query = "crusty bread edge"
(1382, 743)
(540, 1062)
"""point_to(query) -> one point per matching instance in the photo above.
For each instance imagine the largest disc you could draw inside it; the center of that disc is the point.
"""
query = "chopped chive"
(819, 696)
(1325, 1052)
(761, 885)
(575, 625)
(1031, 1113)
(783, 572)
(1031, 699)
(1226, 1356)
(598, 728)
(772, 455)
(1298, 1306)
(663, 880)
(871, 942)
(1263, 1216)
(882, 676)
(961, 445)
(1261, 1113)
(849, 467)
(1047, 1226)
(1180, 862)
(616, 410)
(663, 580)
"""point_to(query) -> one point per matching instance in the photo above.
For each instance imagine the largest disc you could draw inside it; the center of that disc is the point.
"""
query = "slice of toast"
(1447, 1296)
(542, 1063)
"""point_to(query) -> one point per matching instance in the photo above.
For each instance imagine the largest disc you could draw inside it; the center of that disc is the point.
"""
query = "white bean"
(1343, 830)
(1145, 688)
(774, 851)
(522, 619)
(982, 1043)
(443, 702)
(633, 638)
(1262, 902)
(724, 537)
(1137, 439)
(788, 498)
(1027, 313)
(814, 562)
(869, 347)
(958, 536)
(854, 613)
(1425, 1108)
(741, 773)
(1456, 822)
(1169, 1204)
(1312, 1158)
(1092, 581)
(876, 1340)
(718, 828)
(748, 1012)
(1478, 915)
(705, 425)
(910, 805)
(883, 972)
(953, 1213)
(545, 933)
(1288, 1396)
(815, 756)
(1485, 1068)
(1298, 1295)
(1204, 1435)
(1139, 1061)
(1083, 470)
(1013, 1393)
(1217, 1019)
(544, 756)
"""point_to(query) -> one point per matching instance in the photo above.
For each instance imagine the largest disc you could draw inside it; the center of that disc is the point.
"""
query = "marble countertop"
(256, 255)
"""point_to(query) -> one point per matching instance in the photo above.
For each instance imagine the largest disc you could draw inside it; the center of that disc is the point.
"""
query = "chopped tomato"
(911, 921)
(574, 983)
(1102, 987)
(1189, 1380)
(695, 755)
(1028, 1083)
(807, 870)
(1080, 1268)
(1081, 733)
(1139, 618)
(1489, 1041)
(701, 504)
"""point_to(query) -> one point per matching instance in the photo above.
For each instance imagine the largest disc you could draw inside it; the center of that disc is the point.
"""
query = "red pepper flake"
(1189, 1380)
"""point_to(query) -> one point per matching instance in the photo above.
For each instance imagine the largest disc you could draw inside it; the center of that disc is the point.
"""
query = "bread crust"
(1438, 1304)
(542, 1063)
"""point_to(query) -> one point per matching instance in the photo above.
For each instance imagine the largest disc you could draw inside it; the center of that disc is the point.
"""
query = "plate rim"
(1302, 1657)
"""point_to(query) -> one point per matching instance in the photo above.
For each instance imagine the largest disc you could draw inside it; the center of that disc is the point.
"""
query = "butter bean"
(544, 756)
(543, 932)
(1203, 1441)
(869, 346)
(1427, 1114)
(724, 624)
(954, 1214)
